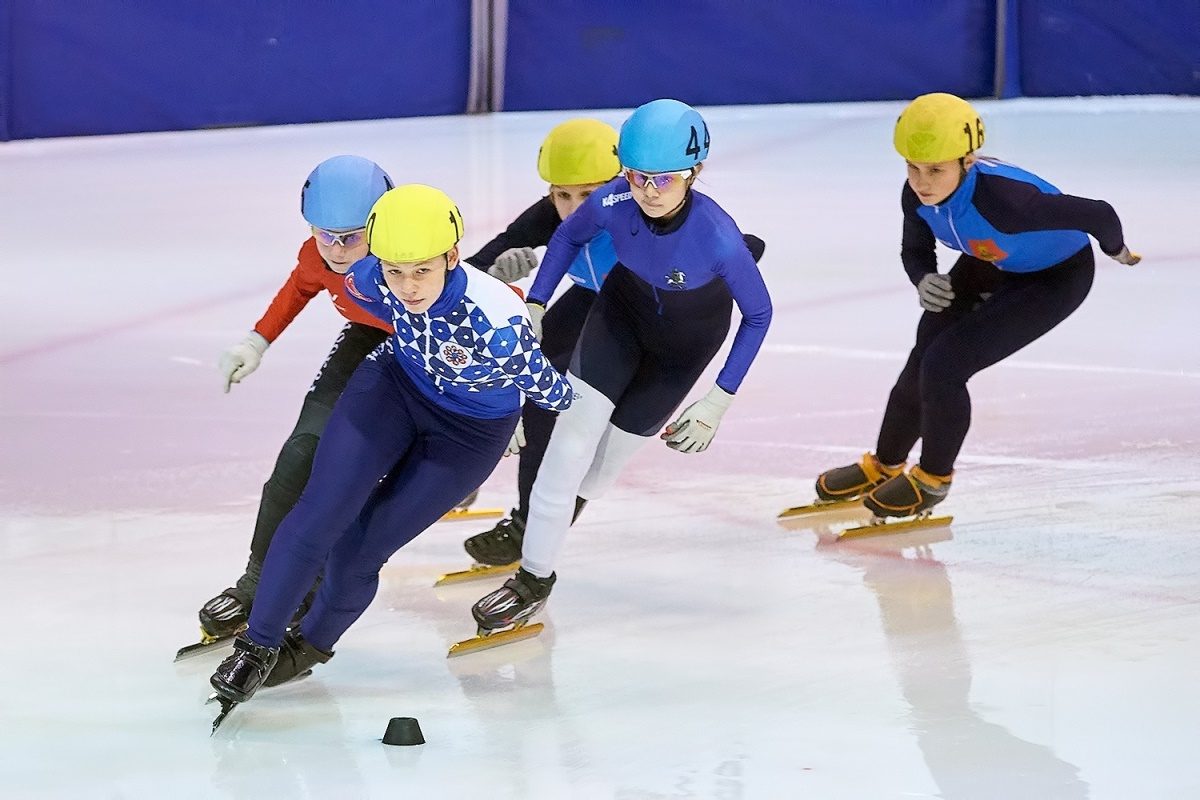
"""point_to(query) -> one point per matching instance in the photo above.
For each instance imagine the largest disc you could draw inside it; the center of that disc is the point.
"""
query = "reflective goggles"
(659, 180)
(345, 238)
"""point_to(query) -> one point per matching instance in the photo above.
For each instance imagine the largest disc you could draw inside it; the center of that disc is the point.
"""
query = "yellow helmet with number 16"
(938, 127)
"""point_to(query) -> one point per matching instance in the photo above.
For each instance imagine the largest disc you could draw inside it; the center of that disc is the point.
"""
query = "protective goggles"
(659, 180)
(345, 238)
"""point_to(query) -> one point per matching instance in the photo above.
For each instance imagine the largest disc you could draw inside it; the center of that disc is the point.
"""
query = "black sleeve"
(755, 245)
(918, 246)
(533, 228)
(1016, 207)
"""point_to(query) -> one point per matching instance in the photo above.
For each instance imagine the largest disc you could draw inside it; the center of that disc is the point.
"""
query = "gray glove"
(935, 292)
(514, 264)
(1126, 257)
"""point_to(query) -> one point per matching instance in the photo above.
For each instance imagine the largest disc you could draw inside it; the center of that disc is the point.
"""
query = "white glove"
(536, 312)
(517, 441)
(514, 264)
(935, 292)
(243, 358)
(1126, 257)
(695, 428)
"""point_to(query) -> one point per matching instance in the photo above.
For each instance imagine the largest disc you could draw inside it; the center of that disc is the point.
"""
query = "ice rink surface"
(1046, 646)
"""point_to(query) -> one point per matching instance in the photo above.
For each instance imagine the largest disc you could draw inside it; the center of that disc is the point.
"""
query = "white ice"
(1047, 646)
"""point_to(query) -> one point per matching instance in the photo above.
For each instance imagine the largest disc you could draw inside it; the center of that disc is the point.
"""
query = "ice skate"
(907, 498)
(496, 551)
(296, 659)
(463, 511)
(241, 674)
(224, 615)
(230, 606)
(843, 488)
(503, 615)
(221, 618)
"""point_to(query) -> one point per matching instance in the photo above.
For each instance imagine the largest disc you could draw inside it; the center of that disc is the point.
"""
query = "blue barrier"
(122, 65)
(5, 73)
(616, 54)
(115, 66)
(1074, 47)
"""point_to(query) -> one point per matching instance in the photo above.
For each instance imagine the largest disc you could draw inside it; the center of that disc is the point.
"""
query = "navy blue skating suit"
(1027, 264)
(421, 423)
(563, 322)
(673, 285)
(660, 318)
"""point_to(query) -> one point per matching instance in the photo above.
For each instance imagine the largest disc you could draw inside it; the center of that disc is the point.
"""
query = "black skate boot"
(521, 596)
(854, 480)
(499, 546)
(241, 674)
(226, 614)
(296, 657)
(907, 495)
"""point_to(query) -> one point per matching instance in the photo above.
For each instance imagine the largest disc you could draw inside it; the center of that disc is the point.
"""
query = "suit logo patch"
(455, 355)
(986, 250)
(676, 279)
(352, 289)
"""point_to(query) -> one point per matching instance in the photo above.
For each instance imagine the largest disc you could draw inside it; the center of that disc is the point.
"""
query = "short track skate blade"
(207, 644)
(227, 706)
(478, 643)
(884, 528)
(819, 507)
(476, 572)
(462, 514)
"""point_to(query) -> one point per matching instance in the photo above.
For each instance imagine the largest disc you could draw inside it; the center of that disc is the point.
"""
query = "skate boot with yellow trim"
(843, 487)
(502, 616)
(908, 498)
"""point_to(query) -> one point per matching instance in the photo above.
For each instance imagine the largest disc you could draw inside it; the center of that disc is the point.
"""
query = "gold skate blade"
(207, 644)
(882, 528)
(476, 572)
(462, 514)
(477, 643)
(820, 507)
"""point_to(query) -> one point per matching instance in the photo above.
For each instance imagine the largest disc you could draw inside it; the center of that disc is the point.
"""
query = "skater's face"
(341, 249)
(570, 197)
(661, 195)
(418, 284)
(935, 181)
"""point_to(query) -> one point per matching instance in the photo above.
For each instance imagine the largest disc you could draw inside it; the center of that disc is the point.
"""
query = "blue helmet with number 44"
(663, 136)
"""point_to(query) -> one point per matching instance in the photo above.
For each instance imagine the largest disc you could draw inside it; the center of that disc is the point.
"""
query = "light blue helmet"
(663, 136)
(339, 193)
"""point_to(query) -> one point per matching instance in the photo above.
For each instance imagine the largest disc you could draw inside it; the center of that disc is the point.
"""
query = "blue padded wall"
(1083, 47)
(114, 66)
(620, 53)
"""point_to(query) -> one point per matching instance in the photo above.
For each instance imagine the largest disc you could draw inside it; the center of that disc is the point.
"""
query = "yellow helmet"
(579, 151)
(938, 127)
(413, 222)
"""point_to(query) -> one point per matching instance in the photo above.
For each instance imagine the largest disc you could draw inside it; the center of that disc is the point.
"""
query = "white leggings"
(585, 455)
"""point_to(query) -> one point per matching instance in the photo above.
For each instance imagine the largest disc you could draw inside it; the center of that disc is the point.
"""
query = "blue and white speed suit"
(421, 423)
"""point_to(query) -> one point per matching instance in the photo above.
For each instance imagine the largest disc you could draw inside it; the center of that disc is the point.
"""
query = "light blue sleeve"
(574, 232)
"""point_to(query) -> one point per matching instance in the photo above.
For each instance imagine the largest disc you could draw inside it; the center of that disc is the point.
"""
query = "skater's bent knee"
(295, 462)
